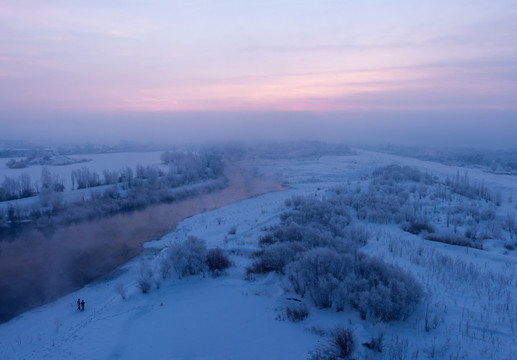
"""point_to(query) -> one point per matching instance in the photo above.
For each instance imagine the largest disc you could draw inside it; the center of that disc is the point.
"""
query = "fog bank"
(482, 128)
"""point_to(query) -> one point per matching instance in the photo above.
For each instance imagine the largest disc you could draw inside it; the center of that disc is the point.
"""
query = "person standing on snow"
(82, 305)
(79, 304)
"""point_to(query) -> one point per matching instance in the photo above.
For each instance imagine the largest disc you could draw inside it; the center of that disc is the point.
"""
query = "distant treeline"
(130, 188)
(497, 161)
(18, 150)
(286, 149)
(123, 146)
(42, 157)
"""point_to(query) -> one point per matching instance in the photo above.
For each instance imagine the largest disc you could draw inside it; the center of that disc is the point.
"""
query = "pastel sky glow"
(169, 56)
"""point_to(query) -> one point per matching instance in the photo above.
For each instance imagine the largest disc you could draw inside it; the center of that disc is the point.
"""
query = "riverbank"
(41, 265)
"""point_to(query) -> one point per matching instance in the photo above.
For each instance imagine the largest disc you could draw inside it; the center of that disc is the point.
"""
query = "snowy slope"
(471, 304)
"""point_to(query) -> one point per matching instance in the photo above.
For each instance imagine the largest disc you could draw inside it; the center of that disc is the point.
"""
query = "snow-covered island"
(46, 159)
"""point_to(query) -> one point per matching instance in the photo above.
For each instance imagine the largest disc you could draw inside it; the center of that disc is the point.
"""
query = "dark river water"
(39, 266)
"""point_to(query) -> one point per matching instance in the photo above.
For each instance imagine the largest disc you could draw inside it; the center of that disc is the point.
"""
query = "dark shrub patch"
(217, 260)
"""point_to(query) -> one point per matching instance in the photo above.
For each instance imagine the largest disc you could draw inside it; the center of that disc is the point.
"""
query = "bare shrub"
(145, 278)
(416, 227)
(257, 267)
(266, 239)
(398, 348)
(341, 345)
(165, 266)
(296, 312)
(342, 339)
(217, 260)
(455, 239)
(376, 343)
(357, 234)
(120, 289)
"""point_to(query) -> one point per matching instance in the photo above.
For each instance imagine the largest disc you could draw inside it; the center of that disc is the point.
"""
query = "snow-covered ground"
(471, 306)
(98, 163)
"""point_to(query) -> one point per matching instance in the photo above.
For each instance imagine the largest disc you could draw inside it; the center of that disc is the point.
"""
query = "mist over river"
(40, 265)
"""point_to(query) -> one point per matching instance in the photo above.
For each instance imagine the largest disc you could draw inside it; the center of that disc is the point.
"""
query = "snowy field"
(470, 307)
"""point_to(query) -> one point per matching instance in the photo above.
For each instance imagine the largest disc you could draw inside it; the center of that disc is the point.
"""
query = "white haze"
(478, 129)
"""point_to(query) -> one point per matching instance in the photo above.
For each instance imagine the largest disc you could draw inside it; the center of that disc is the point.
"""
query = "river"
(39, 266)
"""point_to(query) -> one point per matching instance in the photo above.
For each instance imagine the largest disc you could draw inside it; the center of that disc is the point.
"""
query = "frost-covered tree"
(26, 186)
(10, 189)
(85, 178)
(110, 176)
(127, 177)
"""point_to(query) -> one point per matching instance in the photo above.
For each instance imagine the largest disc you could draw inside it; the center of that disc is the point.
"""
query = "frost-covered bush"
(383, 291)
(312, 235)
(318, 248)
(379, 208)
(189, 257)
(330, 214)
(318, 274)
(275, 257)
(378, 290)
(217, 260)
(474, 212)
(287, 232)
(393, 174)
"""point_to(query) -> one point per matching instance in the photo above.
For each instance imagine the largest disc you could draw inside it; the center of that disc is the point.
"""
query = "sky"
(74, 69)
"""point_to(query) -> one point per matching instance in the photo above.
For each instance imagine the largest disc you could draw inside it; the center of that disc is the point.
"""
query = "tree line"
(129, 187)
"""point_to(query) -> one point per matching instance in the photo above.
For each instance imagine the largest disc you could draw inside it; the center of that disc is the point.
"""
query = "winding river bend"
(40, 266)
